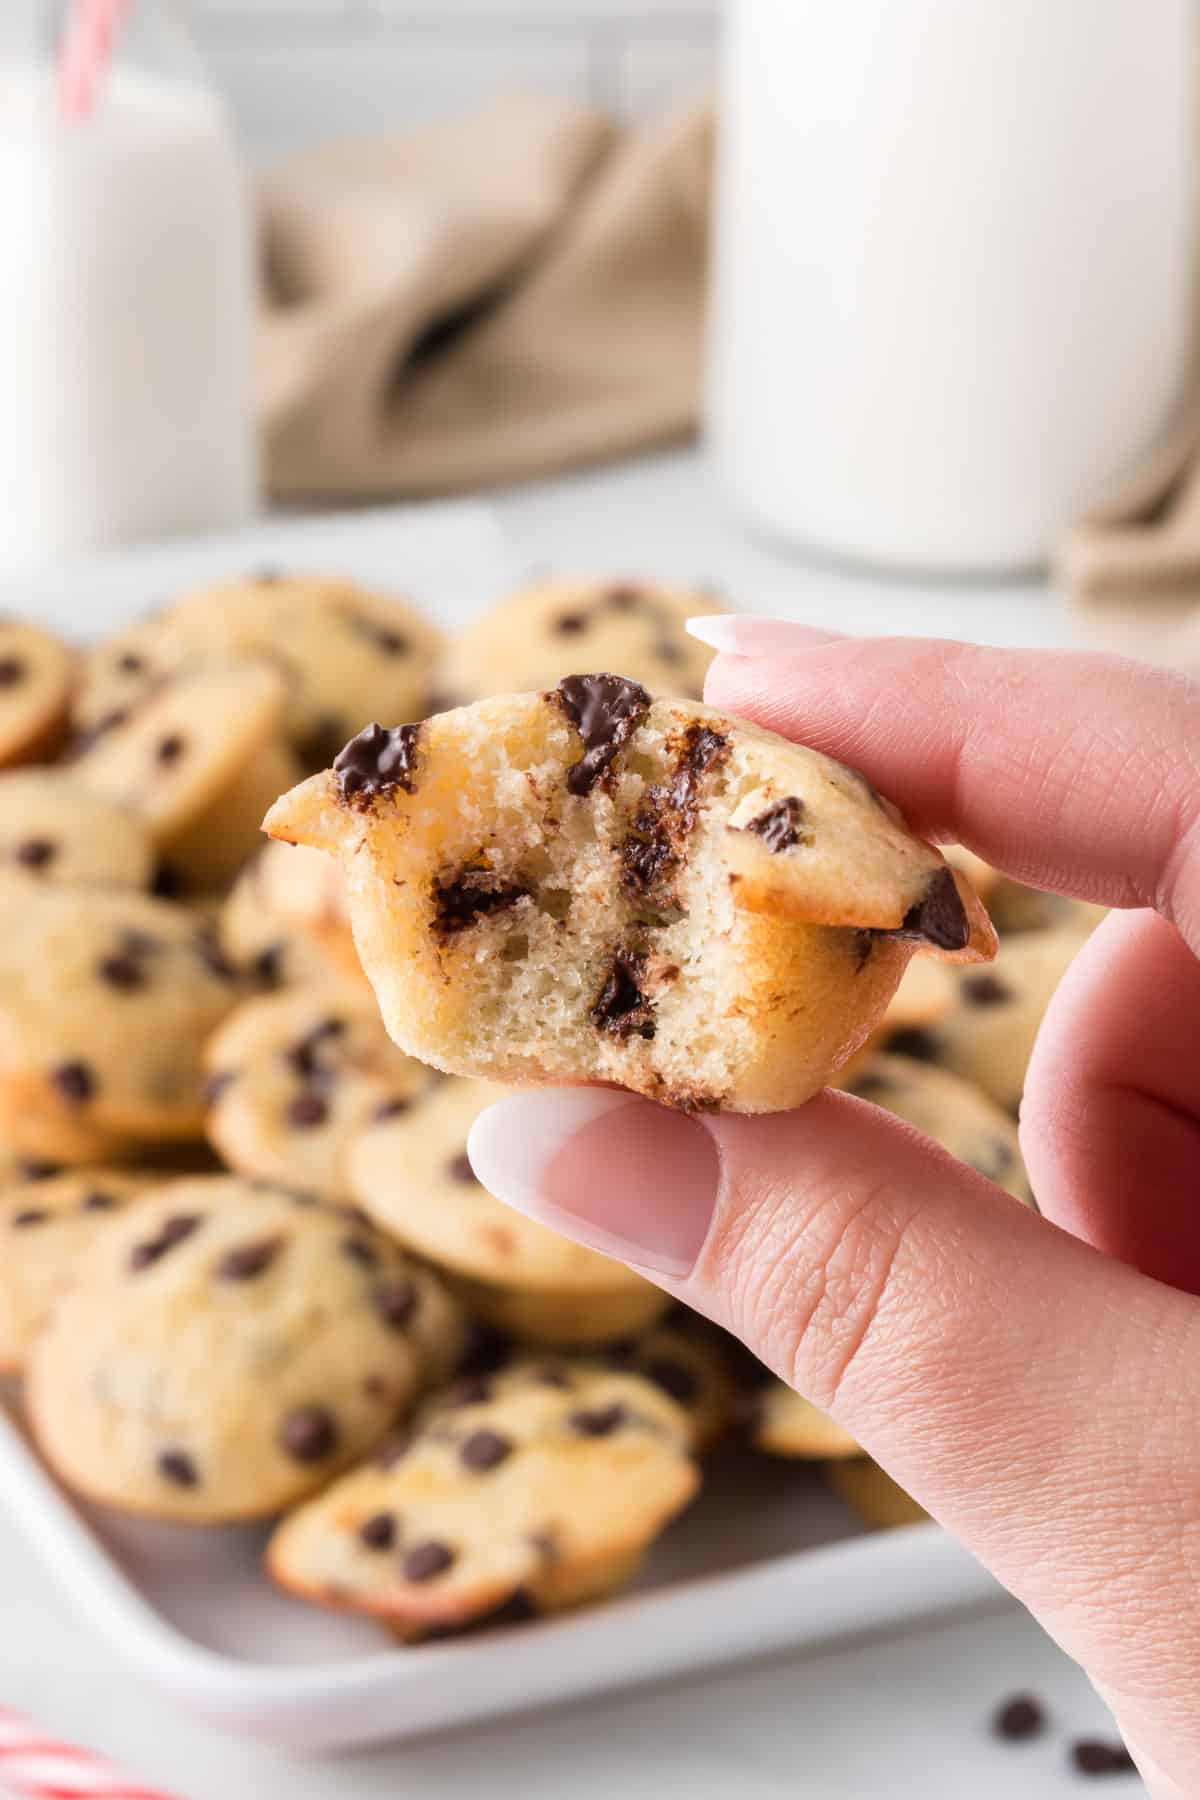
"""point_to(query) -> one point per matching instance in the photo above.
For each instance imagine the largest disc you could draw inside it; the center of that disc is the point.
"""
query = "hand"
(1034, 1382)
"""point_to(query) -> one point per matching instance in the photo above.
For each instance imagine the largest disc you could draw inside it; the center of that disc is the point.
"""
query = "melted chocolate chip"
(12, 671)
(307, 1111)
(484, 1449)
(125, 973)
(396, 1302)
(459, 1169)
(390, 1109)
(597, 1421)
(309, 1434)
(985, 989)
(172, 1231)
(781, 826)
(378, 1532)
(621, 1007)
(99, 1200)
(357, 1250)
(1091, 1756)
(570, 624)
(606, 710)
(424, 1562)
(1020, 1718)
(32, 1215)
(177, 1467)
(169, 749)
(674, 1379)
(247, 1261)
(75, 1081)
(375, 762)
(939, 916)
(35, 853)
(667, 815)
(472, 894)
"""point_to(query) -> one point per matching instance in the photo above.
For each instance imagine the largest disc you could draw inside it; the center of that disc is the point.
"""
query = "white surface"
(902, 1717)
(953, 280)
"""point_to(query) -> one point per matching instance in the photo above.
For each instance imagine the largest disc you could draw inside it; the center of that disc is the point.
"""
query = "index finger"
(1075, 772)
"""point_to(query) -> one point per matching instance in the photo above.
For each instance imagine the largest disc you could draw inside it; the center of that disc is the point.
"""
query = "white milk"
(125, 318)
(953, 265)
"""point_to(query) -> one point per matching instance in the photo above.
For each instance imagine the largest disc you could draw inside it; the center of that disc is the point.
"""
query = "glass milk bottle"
(126, 294)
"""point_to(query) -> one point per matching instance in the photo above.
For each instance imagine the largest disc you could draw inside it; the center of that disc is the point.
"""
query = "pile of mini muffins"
(246, 1271)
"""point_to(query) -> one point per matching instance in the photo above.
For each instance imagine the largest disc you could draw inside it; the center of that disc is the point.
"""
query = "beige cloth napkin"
(481, 300)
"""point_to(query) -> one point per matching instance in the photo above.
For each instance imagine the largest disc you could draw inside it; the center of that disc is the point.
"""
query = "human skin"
(1034, 1382)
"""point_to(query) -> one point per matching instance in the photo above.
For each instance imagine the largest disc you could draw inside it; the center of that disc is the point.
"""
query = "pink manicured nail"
(616, 1173)
(753, 634)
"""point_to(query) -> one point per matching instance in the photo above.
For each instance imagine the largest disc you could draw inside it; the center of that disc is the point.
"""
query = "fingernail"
(616, 1173)
(753, 634)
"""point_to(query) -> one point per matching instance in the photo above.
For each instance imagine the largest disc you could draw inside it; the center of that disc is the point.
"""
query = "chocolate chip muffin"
(951, 1110)
(589, 884)
(53, 828)
(229, 1350)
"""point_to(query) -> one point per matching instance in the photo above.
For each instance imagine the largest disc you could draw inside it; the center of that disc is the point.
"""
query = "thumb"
(1002, 1371)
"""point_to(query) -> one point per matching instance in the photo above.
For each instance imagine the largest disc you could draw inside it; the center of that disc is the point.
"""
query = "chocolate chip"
(621, 1007)
(679, 1383)
(169, 883)
(624, 598)
(396, 1302)
(246, 1261)
(267, 966)
(208, 949)
(597, 1421)
(169, 749)
(378, 1532)
(36, 853)
(667, 652)
(553, 1375)
(376, 762)
(781, 826)
(916, 1042)
(130, 663)
(668, 812)
(1019, 1718)
(125, 973)
(995, 1159)
(472, 894)
(459, 1169)
(357, 1250)
(484, 1449)
(307, 1111)
(985, 989)
(177, 1467)
(74, 1081)
(36, 1168)
(309, 1433)
(1092, 1756)
(32, 1215)
(570, 624)
(472, 1390)
(390, 1109)
(606, 710)
(12, 670)
(304, 1057)
(939, 916)
(391, 643)
(870, 1085)
(99, 1200)
(172, 1231)
(426, 1561)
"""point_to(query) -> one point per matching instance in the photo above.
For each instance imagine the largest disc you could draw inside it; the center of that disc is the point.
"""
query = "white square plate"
(766, 1557)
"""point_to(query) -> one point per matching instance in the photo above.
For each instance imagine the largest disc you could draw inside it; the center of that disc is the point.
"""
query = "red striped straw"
(86, 51)
(41, 1768)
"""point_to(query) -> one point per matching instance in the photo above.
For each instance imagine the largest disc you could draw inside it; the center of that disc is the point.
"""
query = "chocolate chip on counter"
(473, 894)
(597, 1421)
(396, 1302)
(36, 853)
(939, 915)
(985, 989)
(1092, 1756)
(570, 624)
(125, 973)
(357, 1250)
(781, 826)
(377, 761)
(169, 749)
(177, 1467)
(673, 1378)
(31, 1215)
(247, 1261)
(378, 1532)
(621, 1007)
(1018, 1718)
(309, 1434)
(484, 1449)
(606, 710)
(390, 1109)
(424, 1562)
(459, 1169)
(75, 1081)
(306, 1111)
(172, 1231)
(12, 671)
(99, 1200)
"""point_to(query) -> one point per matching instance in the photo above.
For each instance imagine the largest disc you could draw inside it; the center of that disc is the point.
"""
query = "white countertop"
(902, 1717)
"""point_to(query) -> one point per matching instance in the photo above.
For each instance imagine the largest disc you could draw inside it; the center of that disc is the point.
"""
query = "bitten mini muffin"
(409, 1172)
(531, 1490)
(294, 1077)
(198, 762)
(535, 637)
(588, 884)
(38, 675)
(48, 1232)
(106, 1001)
(53, 828)
(229, 1350)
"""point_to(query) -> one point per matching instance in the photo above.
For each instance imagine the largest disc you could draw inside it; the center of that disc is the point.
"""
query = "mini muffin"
(588, 884)
(285, 922)
(38, 675)
(53, 828)
(951, 1110)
